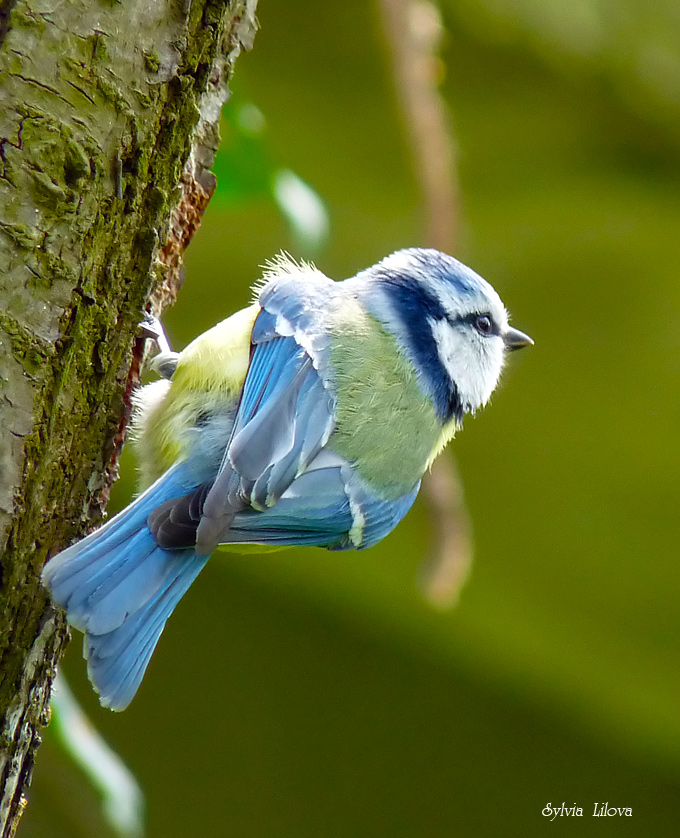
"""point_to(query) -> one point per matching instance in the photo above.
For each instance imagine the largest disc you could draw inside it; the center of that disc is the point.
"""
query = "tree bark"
(109, 115)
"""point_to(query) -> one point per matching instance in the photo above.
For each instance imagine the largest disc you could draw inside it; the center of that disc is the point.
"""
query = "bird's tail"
(119, 587)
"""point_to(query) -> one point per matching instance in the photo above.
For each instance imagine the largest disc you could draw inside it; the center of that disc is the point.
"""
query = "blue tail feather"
(117, 660)
(172, 484)
(119, 587)
(140, 570)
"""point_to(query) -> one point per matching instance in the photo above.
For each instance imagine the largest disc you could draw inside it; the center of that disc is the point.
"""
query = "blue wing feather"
(264, 328)
(297, 306)
(380, 516)
(315, 510)
(273, 366)
(270, 434)
(298, 302)
(285, 417)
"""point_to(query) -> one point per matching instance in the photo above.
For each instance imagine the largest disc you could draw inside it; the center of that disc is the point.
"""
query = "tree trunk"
(109, 116)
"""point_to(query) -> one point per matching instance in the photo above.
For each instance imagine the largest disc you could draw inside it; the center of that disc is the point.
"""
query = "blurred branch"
(447, 568)
(122, 798)
(414, 30)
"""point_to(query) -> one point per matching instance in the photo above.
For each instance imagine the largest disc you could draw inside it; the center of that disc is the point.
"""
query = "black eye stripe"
(472, 318)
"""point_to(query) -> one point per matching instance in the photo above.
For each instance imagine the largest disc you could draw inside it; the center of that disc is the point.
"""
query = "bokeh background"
(316, 694)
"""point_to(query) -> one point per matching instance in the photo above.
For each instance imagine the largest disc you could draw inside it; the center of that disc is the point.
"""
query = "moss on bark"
(108, 124)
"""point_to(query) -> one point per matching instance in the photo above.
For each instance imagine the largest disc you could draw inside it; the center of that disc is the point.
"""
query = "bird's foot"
(165, 363)
(152, 329)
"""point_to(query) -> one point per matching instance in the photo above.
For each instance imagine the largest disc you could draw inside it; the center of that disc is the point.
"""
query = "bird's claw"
(152, 329)
(165, 363)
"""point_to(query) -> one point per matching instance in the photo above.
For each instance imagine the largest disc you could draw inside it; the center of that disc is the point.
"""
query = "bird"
(307, 418)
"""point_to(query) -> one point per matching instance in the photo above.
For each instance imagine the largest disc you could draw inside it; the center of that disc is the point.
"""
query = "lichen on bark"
(108, 127)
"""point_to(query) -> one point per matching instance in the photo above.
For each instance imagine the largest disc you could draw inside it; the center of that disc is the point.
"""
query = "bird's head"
(449, 321)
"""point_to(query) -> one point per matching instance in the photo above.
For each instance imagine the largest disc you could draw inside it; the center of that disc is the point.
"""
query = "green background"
(317, 694)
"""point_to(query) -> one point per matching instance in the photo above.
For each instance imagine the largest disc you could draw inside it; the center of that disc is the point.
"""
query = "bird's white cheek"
(473, 364)
(492, 366)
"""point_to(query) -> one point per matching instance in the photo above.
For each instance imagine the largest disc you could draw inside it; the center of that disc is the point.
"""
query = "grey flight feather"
(286, 413)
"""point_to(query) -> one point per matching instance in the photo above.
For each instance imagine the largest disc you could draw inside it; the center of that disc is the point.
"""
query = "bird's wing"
(326, 506)
(278, 483)
(287, 408)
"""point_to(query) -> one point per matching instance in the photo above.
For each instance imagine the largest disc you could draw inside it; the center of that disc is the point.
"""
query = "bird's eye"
(484, 325)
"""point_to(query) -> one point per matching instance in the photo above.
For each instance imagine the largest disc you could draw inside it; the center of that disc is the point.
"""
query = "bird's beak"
(514, 339)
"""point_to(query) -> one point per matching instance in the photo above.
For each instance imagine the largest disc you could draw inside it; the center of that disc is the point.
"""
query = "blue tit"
(308, 418)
